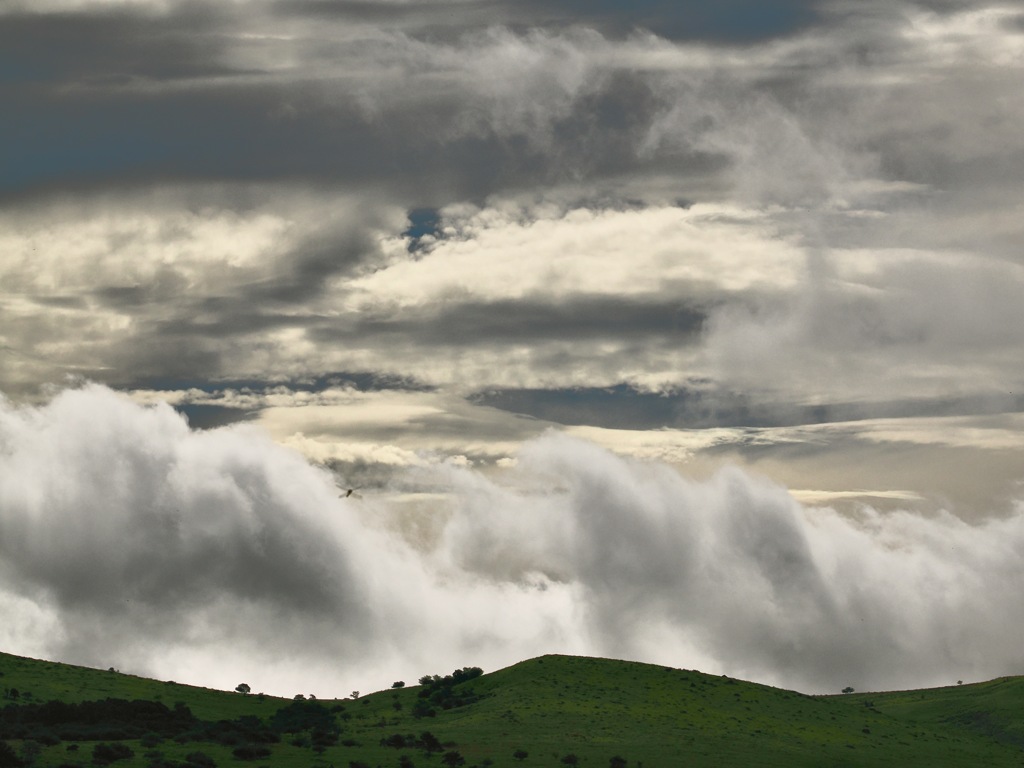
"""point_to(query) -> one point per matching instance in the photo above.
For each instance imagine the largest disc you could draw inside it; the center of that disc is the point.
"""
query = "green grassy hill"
(550, 708)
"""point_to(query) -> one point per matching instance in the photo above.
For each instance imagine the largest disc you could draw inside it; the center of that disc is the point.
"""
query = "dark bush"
(107, 720)
(301, 716)
(429, 742)
(440, 691)
(46, 737)
(199, 760)
(8, 757)
(251, 752)
(422, 709)
(103, 754)
(246, 729)
(323, 739)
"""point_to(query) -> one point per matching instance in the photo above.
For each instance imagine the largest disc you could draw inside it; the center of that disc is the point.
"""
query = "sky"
(679, 332)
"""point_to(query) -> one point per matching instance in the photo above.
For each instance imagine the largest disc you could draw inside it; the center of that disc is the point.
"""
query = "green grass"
(41, 681)
(595, 709)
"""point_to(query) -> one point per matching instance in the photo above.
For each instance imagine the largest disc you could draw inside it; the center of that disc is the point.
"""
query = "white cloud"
(502, 252)
(978, 35)
(205, 556)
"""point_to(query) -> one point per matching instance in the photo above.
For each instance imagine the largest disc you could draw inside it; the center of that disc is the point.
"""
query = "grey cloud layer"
(733, 21)
(849, 129)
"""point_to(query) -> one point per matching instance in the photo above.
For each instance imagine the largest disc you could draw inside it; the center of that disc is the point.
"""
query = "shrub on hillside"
(8, 757)
(104, 754)
(199, 760)
(250, 752)
(440, 691)
(302, 716)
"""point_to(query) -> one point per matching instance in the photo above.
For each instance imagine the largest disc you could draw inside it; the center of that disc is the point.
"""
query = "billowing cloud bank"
(126, 539)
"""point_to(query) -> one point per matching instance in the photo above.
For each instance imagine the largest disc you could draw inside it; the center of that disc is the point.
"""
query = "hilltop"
(558, 710)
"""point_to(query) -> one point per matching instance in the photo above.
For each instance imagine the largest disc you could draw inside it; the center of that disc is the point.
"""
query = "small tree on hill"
(848, 689)
(243, 688)
(520, 754)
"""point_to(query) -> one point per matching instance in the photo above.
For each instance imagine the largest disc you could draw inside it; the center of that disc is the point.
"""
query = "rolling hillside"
(553, 709)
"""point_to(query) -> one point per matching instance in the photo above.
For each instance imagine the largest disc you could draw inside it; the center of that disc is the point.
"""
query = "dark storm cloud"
(725, 21)
(61, 302)
(177, 353)
(211, 114)
(312, 264)
(624, 407)
(112, 46)
(223, 319)
(204, 119)
(513, 321)
(218, 133)
(231, 133)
